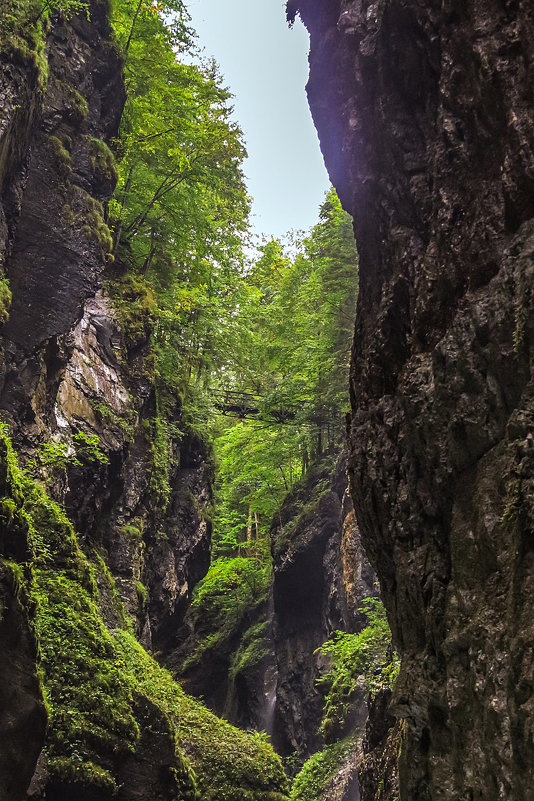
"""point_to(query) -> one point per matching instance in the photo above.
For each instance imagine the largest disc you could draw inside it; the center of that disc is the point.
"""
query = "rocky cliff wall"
(87, 713)
(72, 368)
(424, 110)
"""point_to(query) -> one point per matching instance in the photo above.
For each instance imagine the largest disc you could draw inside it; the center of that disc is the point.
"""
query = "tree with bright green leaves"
(180, 208)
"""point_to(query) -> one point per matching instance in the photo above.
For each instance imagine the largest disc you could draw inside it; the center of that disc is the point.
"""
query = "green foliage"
(52, 456)
(5, 300)
(319, 770)
(142, 593)
(180, 206)
(257, 467)
(354, 657)
(69, 8)
(290, 334)
(231, 590)
(229, 764)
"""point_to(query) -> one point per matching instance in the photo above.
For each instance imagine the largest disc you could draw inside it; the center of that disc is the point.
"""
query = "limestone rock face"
(67, 369)
(69, 376)
(425, 111)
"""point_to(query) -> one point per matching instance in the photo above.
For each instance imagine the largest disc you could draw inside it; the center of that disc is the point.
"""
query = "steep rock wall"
(72, 367)
(424, 110)
(74, 370)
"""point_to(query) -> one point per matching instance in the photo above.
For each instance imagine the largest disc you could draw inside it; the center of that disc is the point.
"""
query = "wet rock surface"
(425, 111)
(378, 775)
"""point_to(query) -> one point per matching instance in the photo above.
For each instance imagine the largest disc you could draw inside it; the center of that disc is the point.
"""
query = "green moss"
(315, 775)
(88, 691)
(60, 151)
(22, 35)
(230, 765)
(73, 100)
(102, 159)
(68, 215)
(5, 300)
(133, 531)
(253, 648)
(135, 304)
(78, 103)
(92, 678)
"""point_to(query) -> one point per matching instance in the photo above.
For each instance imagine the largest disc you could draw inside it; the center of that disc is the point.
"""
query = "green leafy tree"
(180, 208)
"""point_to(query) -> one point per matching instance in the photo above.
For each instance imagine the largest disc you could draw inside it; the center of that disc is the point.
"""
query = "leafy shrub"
(355, 656)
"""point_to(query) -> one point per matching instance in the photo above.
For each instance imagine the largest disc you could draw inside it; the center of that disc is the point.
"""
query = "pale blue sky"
(265, 66)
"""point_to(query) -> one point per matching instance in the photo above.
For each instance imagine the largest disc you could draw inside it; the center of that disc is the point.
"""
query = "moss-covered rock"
(5, 300)
(230, 765)
(317, 773)
(109, 703)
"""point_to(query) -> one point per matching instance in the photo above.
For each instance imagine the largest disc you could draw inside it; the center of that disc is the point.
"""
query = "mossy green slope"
(92, 677)
(230, 765)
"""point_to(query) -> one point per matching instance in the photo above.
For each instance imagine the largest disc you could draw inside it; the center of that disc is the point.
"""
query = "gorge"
(161, 607)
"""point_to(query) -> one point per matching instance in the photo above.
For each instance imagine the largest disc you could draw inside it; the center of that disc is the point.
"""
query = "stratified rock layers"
(425, 113)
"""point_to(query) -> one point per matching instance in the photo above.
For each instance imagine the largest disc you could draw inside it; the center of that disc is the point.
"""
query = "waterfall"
(270, 684)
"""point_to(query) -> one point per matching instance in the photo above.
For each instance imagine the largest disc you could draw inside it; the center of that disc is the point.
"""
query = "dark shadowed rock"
(378, 775)
(22, 711)
(425, 115)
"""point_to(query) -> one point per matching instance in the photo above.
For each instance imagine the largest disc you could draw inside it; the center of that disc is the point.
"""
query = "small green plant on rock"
(5, 300)
(53, 456)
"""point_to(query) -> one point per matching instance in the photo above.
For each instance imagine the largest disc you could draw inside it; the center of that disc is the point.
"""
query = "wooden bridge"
(246, 405)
